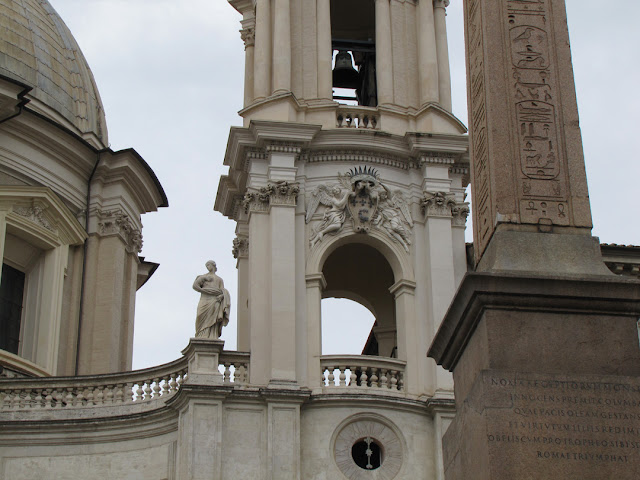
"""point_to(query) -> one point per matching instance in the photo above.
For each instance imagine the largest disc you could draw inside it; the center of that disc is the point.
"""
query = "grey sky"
(170, 75)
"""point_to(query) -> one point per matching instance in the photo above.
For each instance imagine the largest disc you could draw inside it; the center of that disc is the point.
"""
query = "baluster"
(128, 392)
(343, 376)
(227, 372)
(6, 399)
(393, 379)
(119, 393)
(241, 374)
(332, 377)
(374, 377)
(165, 385)
(108, 393)
(353, 378)
(383, 378)
(90, 396)
(17, 399)
(340, 120)
(69, 398)
(400, 381)
(363, 377)
(139, 392)
(100, 395)
(156, 387)
(80, 398)
(49, 398)
(173, 385)
(147, 389)
(28, 398)
(37, 398)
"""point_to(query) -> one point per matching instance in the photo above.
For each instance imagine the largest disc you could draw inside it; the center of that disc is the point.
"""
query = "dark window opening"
(353, 36)
(367, 454)
(11, 294)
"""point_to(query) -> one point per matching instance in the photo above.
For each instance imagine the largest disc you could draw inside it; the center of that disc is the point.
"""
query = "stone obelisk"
(542, 339)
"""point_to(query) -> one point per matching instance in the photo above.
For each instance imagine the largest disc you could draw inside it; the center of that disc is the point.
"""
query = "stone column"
(384, 58)
(282, 47)
(315, 284)
(260, 305)
(283, 192)
(427, 54)
(248, 37)
(325, 53)
(241, 253)
(442, 50)
(441, 284)
(409, 342)
(112, 249)
(262, 60)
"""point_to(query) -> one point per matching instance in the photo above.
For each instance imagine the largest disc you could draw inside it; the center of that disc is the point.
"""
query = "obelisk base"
(547, 378)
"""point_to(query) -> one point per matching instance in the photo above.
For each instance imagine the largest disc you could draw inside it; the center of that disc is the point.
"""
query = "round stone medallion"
(367, 447)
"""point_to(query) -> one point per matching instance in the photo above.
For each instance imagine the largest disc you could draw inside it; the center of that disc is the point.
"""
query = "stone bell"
(344, 75)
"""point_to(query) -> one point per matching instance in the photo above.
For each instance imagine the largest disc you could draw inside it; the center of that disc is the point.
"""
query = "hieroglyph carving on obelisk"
(528, 168)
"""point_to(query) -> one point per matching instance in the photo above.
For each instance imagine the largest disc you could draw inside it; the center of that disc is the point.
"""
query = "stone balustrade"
(359, 371)
(357, 117)
(136, 387)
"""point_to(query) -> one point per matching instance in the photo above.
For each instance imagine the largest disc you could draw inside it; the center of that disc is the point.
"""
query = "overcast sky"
(170, 74)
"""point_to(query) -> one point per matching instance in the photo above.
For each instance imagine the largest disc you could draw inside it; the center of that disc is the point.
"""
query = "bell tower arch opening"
(360, 273)
(353, 34)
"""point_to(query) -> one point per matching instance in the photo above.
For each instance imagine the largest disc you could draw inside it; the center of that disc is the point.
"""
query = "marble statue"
(214, 305)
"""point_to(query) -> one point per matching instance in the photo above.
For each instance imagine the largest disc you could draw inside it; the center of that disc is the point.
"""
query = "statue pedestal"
(547, 377)
(203, 357)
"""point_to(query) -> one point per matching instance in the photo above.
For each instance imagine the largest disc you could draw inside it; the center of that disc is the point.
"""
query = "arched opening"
(360, 273)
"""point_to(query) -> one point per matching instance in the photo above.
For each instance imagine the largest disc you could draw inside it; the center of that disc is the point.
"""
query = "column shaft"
(384, 59)
(427, 54)
(325, 80)
(262, 59)
(282, 47)
(442, 49)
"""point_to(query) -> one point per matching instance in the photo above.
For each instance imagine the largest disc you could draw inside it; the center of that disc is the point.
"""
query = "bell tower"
(393, 55)
(347, 180)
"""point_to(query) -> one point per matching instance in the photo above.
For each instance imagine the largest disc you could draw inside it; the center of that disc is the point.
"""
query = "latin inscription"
(567, 421)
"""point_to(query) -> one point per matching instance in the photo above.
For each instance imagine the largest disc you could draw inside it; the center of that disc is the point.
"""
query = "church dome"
(37, 49)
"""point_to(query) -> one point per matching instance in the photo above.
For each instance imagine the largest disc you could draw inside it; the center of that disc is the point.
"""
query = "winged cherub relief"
(361, 196)
(394, 216)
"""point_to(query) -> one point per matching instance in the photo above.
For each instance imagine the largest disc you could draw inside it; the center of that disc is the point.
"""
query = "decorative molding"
(281, 193)
(437, 204)
(370, 204)
(374, 427)
(360, 156)
(438, 159)
(459, 213)
(115, 222)
(440, 3)
(248, 35)
(35, 213)
(240, 247)
(283, 147)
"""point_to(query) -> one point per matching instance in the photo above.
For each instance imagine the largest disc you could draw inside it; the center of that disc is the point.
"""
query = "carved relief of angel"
(333, 219)
(393, 214)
